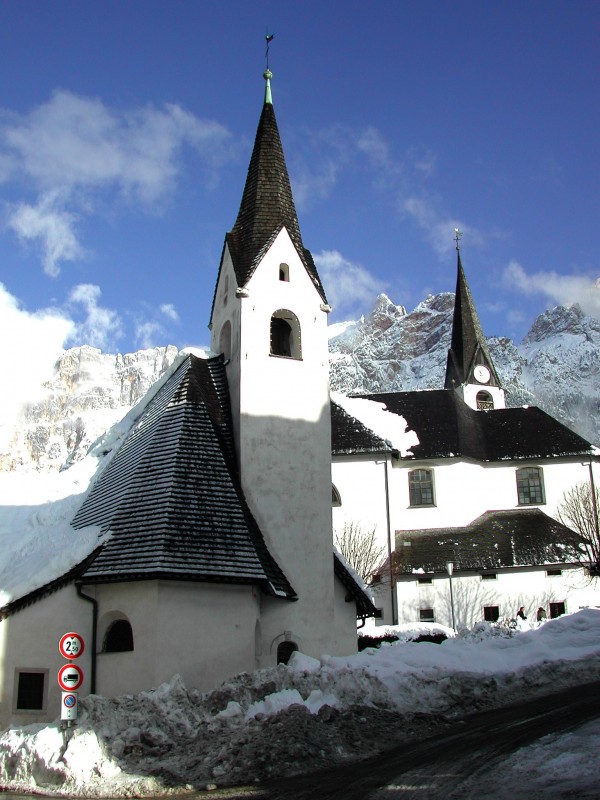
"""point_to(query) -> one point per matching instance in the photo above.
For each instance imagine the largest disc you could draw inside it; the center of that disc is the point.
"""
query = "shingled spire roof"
(468, 346)
(267, 203)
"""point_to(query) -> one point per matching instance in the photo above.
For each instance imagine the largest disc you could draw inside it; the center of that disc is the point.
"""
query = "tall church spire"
(469, 362)
(267, 202)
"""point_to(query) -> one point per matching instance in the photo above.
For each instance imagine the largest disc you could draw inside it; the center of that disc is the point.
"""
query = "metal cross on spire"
(269, 39)
(457, 237)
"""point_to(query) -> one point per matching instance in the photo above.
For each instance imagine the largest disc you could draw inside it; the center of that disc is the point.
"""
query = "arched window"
(285, 334)
(284, 272)
(119, 637)
(530, 486)
(225, 340)
(285, 650)
(336, 499)
(225, 290)
(485, 401)
(420, 487)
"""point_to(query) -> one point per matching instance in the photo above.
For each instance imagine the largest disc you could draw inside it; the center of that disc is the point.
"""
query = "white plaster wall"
(513, 588)
(29, 641)
(285, 444)
(361, 485)
(465, 490)
(203, 632)
(345, 639)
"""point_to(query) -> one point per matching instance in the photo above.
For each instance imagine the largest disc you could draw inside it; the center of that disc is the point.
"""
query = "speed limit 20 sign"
(70, 645)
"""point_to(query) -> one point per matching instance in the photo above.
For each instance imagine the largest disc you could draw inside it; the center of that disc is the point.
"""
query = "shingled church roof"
(171, 496)
(447, 427)
(267, 204)
(517, 537)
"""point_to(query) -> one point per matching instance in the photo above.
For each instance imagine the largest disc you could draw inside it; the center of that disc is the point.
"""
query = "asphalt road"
(437, 768)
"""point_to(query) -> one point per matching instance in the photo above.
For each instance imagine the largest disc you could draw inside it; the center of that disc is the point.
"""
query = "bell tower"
(269, 318)
(470, 369)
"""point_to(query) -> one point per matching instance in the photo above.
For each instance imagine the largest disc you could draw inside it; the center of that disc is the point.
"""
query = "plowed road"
(435, 769)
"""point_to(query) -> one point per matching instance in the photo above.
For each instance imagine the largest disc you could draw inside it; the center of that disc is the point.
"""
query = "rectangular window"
(30, 690)
(491, 613)
(530, 486)
(557, 610)
(426, 615)
(489, 576)
(424, 580)
(553, 573)
(420, 487)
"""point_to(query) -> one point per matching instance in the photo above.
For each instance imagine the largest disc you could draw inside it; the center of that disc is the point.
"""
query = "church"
(462, 493)
(215, 510)
(215, 552)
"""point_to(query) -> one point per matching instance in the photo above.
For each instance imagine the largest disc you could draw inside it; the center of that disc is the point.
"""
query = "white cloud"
(72, 147)
(438, 229)
(350, 287)
(31, 344)
(168, 309)
(149, 334)
(50, 225)
(560, 289)
(101, 327)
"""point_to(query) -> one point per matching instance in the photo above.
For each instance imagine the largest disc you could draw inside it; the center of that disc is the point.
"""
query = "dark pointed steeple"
(468, 348)
(267, 202)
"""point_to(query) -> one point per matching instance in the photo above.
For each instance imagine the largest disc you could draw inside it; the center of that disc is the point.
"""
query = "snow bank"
(312, 713)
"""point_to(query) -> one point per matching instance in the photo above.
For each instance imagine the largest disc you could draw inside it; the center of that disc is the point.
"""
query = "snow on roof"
(37, 542)
(391, 427)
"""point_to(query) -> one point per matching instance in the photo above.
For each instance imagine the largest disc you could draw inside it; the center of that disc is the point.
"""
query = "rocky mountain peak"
(557, 366)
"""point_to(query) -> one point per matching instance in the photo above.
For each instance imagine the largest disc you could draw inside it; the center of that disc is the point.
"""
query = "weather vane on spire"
(457, 237)
(269, 39)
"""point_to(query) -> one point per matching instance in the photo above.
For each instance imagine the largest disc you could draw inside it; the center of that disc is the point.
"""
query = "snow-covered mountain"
(557, 367)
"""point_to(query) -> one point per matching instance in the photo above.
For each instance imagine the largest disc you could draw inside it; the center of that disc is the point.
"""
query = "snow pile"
(286, 720)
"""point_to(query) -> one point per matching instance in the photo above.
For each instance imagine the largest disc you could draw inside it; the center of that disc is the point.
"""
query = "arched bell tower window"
(284, 272)
(485, 401)
(285, 334)
(225, 340)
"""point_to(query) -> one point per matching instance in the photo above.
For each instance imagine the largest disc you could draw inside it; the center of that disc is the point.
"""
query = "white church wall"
(465, 490)
(29, 642)
(511, 588)
(179, 627)
(361, 486)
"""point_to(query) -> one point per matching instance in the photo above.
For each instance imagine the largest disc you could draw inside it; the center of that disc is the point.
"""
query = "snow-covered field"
(315, 713)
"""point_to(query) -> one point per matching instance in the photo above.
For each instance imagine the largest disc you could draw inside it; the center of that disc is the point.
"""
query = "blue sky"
(126, 130)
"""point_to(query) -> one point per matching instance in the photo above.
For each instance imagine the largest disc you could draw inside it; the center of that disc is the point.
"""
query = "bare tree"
(360, 549)
(579, 511)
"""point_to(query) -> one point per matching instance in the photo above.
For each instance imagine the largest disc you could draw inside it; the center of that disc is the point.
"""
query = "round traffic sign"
(70, 700)
(70, 677)
(70, 645)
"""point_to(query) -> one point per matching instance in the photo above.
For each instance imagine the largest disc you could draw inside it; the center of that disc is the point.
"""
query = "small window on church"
(420, 487)
(336, 499)
(530, 486)
(485, 401)
(31, 690)
(284, 272)
(285, 650)
(119, 637)
(285, 335)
